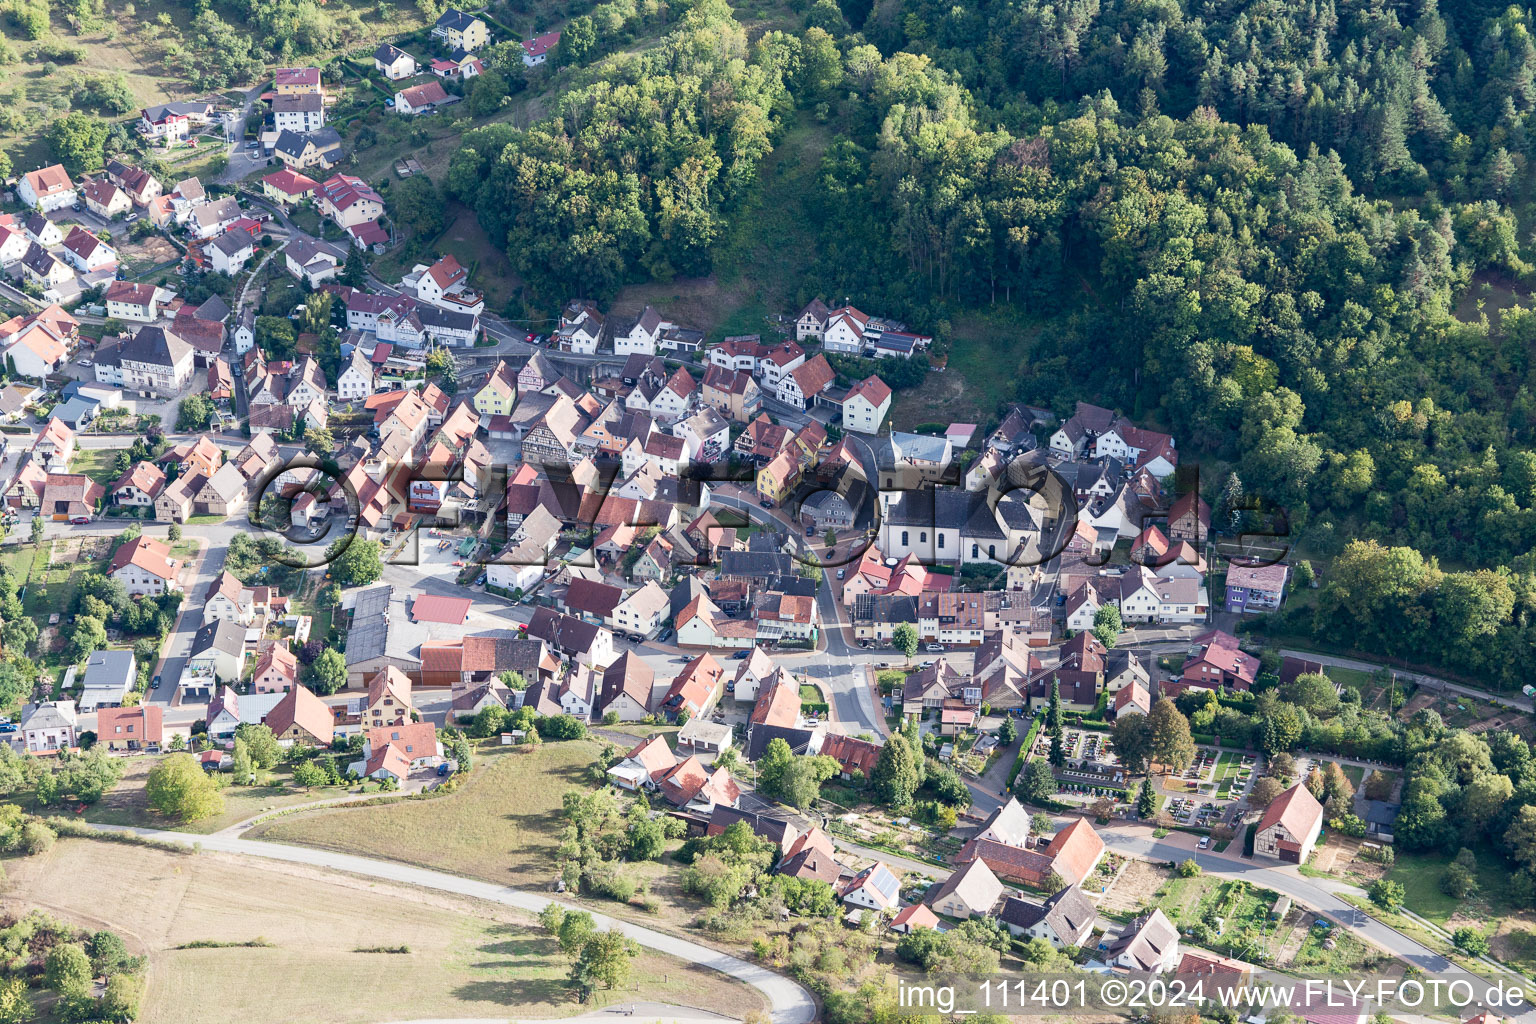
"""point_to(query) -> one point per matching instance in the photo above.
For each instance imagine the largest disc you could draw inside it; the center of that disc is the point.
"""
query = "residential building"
(231, 251)
(388, 702)
(866, 405)
(312, 260)
(301, 113)
(155, 360)
(800, 387)
(460, 31)
(213, 219)
(87, 253)
(296, 82)
(137, 728)
(46, 189)
(288, 187)
(1258, 588)
(421, 99)
(536, 50)
(877, 887)
(48, 726)
(145, 567)
(277, 671)
(1148, 945)
(300, 151)
(108, 677)
(218, 652)
(1065, 920)
(128, 301)
(971, 891)
(393, 62)
(105, 199)
(349, 201)
(1290, 826)
(301, 718)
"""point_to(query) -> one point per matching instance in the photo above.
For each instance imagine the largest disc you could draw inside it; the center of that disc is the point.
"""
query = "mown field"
(465, 959)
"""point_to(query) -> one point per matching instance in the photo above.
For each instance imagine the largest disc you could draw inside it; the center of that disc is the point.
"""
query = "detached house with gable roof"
(866, 405)
(1290, 826)
(47, 188)
(799, 387)
(144, 566)
(393, 62)
(461, 31)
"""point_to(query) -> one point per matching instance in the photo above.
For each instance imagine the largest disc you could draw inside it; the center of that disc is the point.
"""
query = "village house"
(877, 888)
(128, 301)
(301, 718)
(145, 567)
(393, 62)
(536, 50)
(299, 151)
(1290, 826)
(1065, 920)
(302, 113)
(87, 253)
(48, 726)
(1148, 945)
(137, 728)
(105, 199)
(230, 252)
(460, 31)
(423, 98)
(388, 702)
(289, 188)
(972, 891)
(46, 189)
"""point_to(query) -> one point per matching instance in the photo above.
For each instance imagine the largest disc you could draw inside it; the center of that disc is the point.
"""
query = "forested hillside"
(1252, 222)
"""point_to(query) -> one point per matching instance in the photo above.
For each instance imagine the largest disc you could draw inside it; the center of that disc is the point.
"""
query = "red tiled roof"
(1297, 810)
(440, 608)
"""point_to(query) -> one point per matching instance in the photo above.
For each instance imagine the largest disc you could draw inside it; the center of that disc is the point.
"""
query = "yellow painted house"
(776, 479)
(499, 393)
(461, 31)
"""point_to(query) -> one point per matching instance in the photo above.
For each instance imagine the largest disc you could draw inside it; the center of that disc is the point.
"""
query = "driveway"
(791, 1003)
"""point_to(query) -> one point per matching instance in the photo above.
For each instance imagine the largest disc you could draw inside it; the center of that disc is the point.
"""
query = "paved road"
(1517, 700)
(1137, 841)
(791, 1004)
(839, 667)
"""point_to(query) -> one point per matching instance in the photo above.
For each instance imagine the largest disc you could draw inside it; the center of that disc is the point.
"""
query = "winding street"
(790, 1003)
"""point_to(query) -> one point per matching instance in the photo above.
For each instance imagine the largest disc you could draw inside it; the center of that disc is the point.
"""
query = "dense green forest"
(1251, 222)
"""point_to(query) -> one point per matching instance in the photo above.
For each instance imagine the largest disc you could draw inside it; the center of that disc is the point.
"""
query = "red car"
(80, 520)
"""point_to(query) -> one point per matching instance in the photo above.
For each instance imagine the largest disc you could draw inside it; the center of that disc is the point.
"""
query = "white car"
(1204, 843)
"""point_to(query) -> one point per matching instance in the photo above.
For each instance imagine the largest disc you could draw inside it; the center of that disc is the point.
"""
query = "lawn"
(502, 825)
(465, 959)
(97, 463)
(1347, 956)
(51, 577)
(126, 803)
(1420, 874)
(986, 351)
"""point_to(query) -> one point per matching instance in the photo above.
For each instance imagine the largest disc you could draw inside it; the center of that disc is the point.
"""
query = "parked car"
(841, 573)
(155, 683)
(480, 580)
(934, 648)
(742, 655)
(766, 503)
(1205, 841)
(665, 635)
(79, 520)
